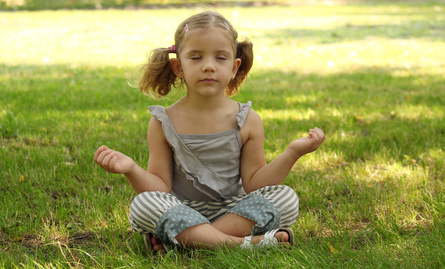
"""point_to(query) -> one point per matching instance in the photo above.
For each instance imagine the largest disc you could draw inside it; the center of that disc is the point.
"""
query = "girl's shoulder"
(253, 119)
(252, 128)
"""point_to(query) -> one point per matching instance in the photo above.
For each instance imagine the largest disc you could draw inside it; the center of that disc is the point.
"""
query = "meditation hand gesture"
(113, 161)
(307, 144)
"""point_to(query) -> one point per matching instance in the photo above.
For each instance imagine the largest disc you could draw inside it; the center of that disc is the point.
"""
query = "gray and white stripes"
(269, 207)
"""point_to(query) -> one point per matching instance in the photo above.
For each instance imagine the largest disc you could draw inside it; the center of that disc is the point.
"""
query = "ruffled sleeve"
(167, 127)
(242, 115)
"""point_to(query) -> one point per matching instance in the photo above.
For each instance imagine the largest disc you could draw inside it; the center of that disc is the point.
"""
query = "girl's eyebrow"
(200, 51)
(193, 51)
(223, 51)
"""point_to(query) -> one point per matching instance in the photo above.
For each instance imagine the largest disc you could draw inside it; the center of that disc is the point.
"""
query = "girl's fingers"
(107, 158)
(99, 151)
(96, 155)
(112, 163)
(313, 134)
(318, 136)
(312, 131)
(318, 133)
(102, 159)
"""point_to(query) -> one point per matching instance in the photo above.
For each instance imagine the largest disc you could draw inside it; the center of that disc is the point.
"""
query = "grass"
(370, 75)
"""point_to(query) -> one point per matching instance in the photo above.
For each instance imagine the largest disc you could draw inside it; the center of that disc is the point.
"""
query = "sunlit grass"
(370, 75)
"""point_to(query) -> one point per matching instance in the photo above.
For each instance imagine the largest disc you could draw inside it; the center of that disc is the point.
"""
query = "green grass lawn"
(371, 76)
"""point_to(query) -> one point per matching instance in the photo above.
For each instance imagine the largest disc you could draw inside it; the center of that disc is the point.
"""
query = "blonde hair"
(158, 76)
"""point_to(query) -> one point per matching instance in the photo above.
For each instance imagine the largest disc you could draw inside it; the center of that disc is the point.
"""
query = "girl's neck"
(203, 116)
(205, 104)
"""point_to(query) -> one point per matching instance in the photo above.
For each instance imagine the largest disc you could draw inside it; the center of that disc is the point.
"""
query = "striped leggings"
(165, 216)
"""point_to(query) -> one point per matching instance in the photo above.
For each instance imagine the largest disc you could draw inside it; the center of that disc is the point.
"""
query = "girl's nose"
(208, 66)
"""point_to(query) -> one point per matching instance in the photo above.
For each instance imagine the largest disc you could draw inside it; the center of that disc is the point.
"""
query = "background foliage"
(98, 4)
(131, 4)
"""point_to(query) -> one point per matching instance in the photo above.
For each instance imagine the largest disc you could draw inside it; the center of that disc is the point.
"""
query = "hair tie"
(172, 49)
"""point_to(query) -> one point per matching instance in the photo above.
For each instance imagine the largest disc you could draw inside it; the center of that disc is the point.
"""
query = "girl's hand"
(113, 161)
(307, 144)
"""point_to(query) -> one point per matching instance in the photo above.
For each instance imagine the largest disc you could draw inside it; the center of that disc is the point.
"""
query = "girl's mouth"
(208, 80)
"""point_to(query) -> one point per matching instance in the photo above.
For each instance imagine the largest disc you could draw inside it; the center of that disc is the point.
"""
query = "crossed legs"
(228, 231)
(173, 222)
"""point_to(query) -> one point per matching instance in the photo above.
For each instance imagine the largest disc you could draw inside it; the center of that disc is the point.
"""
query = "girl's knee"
(286, 201)
(176, 220)
(279, 195)
(288, 206)
(147, 208)
(289, 201)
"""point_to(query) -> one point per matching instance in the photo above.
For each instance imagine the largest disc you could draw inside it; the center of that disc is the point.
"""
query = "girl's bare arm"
(157, 177)
(255, 172)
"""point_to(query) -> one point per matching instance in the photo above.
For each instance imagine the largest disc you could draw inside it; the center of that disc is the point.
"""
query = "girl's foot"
(276, 237)
(157, 245)
(281, 236)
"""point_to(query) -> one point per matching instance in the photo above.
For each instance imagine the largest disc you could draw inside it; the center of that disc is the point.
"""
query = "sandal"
(147, 241)
(269, 239)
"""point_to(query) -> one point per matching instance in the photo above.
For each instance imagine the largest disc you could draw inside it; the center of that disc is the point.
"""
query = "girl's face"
(206, 61)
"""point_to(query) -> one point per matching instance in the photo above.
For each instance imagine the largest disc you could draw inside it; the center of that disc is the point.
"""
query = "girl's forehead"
(208, 36)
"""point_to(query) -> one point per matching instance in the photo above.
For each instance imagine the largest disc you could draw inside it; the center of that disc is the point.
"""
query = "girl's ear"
(236, 65)
(175, 64)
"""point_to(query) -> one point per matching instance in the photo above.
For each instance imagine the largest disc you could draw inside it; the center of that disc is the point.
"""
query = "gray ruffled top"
(206, 166)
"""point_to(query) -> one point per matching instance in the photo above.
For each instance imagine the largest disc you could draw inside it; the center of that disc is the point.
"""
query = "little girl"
(207, 183)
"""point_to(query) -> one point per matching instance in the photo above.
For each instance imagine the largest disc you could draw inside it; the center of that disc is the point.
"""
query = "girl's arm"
(255, 172)
(157, 177)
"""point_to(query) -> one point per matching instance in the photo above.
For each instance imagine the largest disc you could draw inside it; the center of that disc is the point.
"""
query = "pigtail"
(158, 75)
(244, 51)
